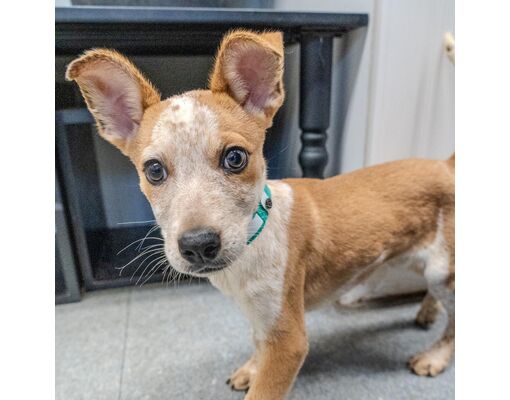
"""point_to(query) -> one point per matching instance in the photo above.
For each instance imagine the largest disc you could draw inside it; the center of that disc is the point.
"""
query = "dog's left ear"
(249, 68)
(116, 93)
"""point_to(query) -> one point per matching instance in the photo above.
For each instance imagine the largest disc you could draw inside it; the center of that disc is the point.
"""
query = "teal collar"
(259, 218)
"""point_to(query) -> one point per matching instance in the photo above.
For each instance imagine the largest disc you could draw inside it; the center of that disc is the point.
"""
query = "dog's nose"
(199, 245)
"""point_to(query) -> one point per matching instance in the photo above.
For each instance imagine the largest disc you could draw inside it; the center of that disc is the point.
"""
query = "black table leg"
(315, 100)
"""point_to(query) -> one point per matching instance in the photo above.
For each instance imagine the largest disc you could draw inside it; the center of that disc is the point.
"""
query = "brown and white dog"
(199, 158)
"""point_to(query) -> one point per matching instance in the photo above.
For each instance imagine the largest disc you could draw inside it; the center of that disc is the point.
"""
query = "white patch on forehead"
(185, 123)
(179, 112)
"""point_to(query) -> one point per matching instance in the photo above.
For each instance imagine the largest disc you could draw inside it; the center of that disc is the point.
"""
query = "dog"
(278, 247)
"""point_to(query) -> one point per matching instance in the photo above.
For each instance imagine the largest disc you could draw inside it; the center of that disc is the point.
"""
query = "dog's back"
(380, 213)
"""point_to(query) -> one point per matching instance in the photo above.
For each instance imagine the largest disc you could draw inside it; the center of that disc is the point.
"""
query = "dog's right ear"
(116, 93)
(249, 68)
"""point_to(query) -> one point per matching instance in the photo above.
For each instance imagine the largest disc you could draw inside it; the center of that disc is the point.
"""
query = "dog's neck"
(261, 214)
(255, 278)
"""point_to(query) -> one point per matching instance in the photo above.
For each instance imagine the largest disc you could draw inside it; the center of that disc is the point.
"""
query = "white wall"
(399, 100)
(412, 81)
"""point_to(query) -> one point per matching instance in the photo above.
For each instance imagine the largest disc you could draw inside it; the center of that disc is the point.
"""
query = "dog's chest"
(256, 280)
(258, 293)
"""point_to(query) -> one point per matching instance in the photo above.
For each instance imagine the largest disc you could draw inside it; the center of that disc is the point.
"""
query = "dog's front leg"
(279, 358)
(272, 368)
(244, 376)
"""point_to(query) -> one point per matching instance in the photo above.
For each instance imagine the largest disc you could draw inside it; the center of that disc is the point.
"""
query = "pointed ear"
(249, 67)
(115, 91)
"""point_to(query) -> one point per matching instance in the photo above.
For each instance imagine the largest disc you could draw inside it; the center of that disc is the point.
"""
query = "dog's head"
(199, 154)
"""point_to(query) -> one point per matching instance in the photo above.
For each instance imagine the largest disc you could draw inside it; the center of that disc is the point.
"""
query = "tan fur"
(387, 209)
(350, 221)
(335, 232)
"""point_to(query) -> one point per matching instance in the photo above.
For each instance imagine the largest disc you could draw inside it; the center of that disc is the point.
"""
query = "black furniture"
(170, 31)
(67, 288)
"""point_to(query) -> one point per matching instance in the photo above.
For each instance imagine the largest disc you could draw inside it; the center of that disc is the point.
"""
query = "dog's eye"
(235, 160)
(155, 172)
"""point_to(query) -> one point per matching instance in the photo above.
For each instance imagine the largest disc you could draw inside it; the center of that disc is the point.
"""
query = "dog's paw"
(431, 362)
(428, 313)
(241, 379)
(426, 317)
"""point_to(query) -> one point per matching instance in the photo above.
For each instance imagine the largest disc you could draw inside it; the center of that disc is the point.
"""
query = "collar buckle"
(259, 218)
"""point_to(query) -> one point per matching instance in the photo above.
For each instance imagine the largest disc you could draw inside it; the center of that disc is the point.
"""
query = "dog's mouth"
(200, 269)
(208, 270)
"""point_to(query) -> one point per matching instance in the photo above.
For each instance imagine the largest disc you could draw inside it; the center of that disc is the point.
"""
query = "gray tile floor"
(182, 343)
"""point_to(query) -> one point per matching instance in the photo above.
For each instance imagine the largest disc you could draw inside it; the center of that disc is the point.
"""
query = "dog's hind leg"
(440, 276)
(429, 309)
(433, 361)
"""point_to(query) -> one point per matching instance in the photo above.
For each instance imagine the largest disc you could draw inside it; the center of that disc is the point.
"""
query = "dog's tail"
(451, 162)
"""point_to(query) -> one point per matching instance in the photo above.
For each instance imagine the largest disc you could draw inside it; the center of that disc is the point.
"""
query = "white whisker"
(158, 264)
(145, 237)
(146, 267)
(145, 252)
(154, 253)
(139, 240)
(136, 222)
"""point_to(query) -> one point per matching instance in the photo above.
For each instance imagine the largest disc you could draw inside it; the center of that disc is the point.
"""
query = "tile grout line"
(124, 345)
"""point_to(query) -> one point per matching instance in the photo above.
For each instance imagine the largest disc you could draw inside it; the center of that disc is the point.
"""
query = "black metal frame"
(64, 251)
(63, 118)
(170, 31)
